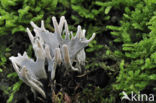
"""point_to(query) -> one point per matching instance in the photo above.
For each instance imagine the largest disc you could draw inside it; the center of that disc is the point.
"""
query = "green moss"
(137, 35)
(15, 15)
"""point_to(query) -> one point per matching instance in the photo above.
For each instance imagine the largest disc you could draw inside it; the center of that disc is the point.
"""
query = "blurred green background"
(125, 45)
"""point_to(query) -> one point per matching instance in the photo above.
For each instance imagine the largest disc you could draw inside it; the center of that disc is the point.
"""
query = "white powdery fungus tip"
(61, 23)
(78, 31)
(34, 25)
(66, 28)
(56, 26)
(42, 25)
(92, 37)
(30, 35)
(83, 33)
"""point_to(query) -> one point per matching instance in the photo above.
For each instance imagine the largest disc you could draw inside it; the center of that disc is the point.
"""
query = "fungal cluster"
(58, 48)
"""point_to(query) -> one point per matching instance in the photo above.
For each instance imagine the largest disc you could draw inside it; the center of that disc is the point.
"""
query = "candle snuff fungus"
(51, 48)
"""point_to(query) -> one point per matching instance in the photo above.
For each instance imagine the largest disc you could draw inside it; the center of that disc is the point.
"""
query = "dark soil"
(70, 84)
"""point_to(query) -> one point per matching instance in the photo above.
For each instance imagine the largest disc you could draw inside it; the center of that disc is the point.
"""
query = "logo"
(137, 97)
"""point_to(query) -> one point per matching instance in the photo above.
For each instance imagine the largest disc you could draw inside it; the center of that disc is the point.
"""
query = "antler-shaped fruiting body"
(53, 48)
